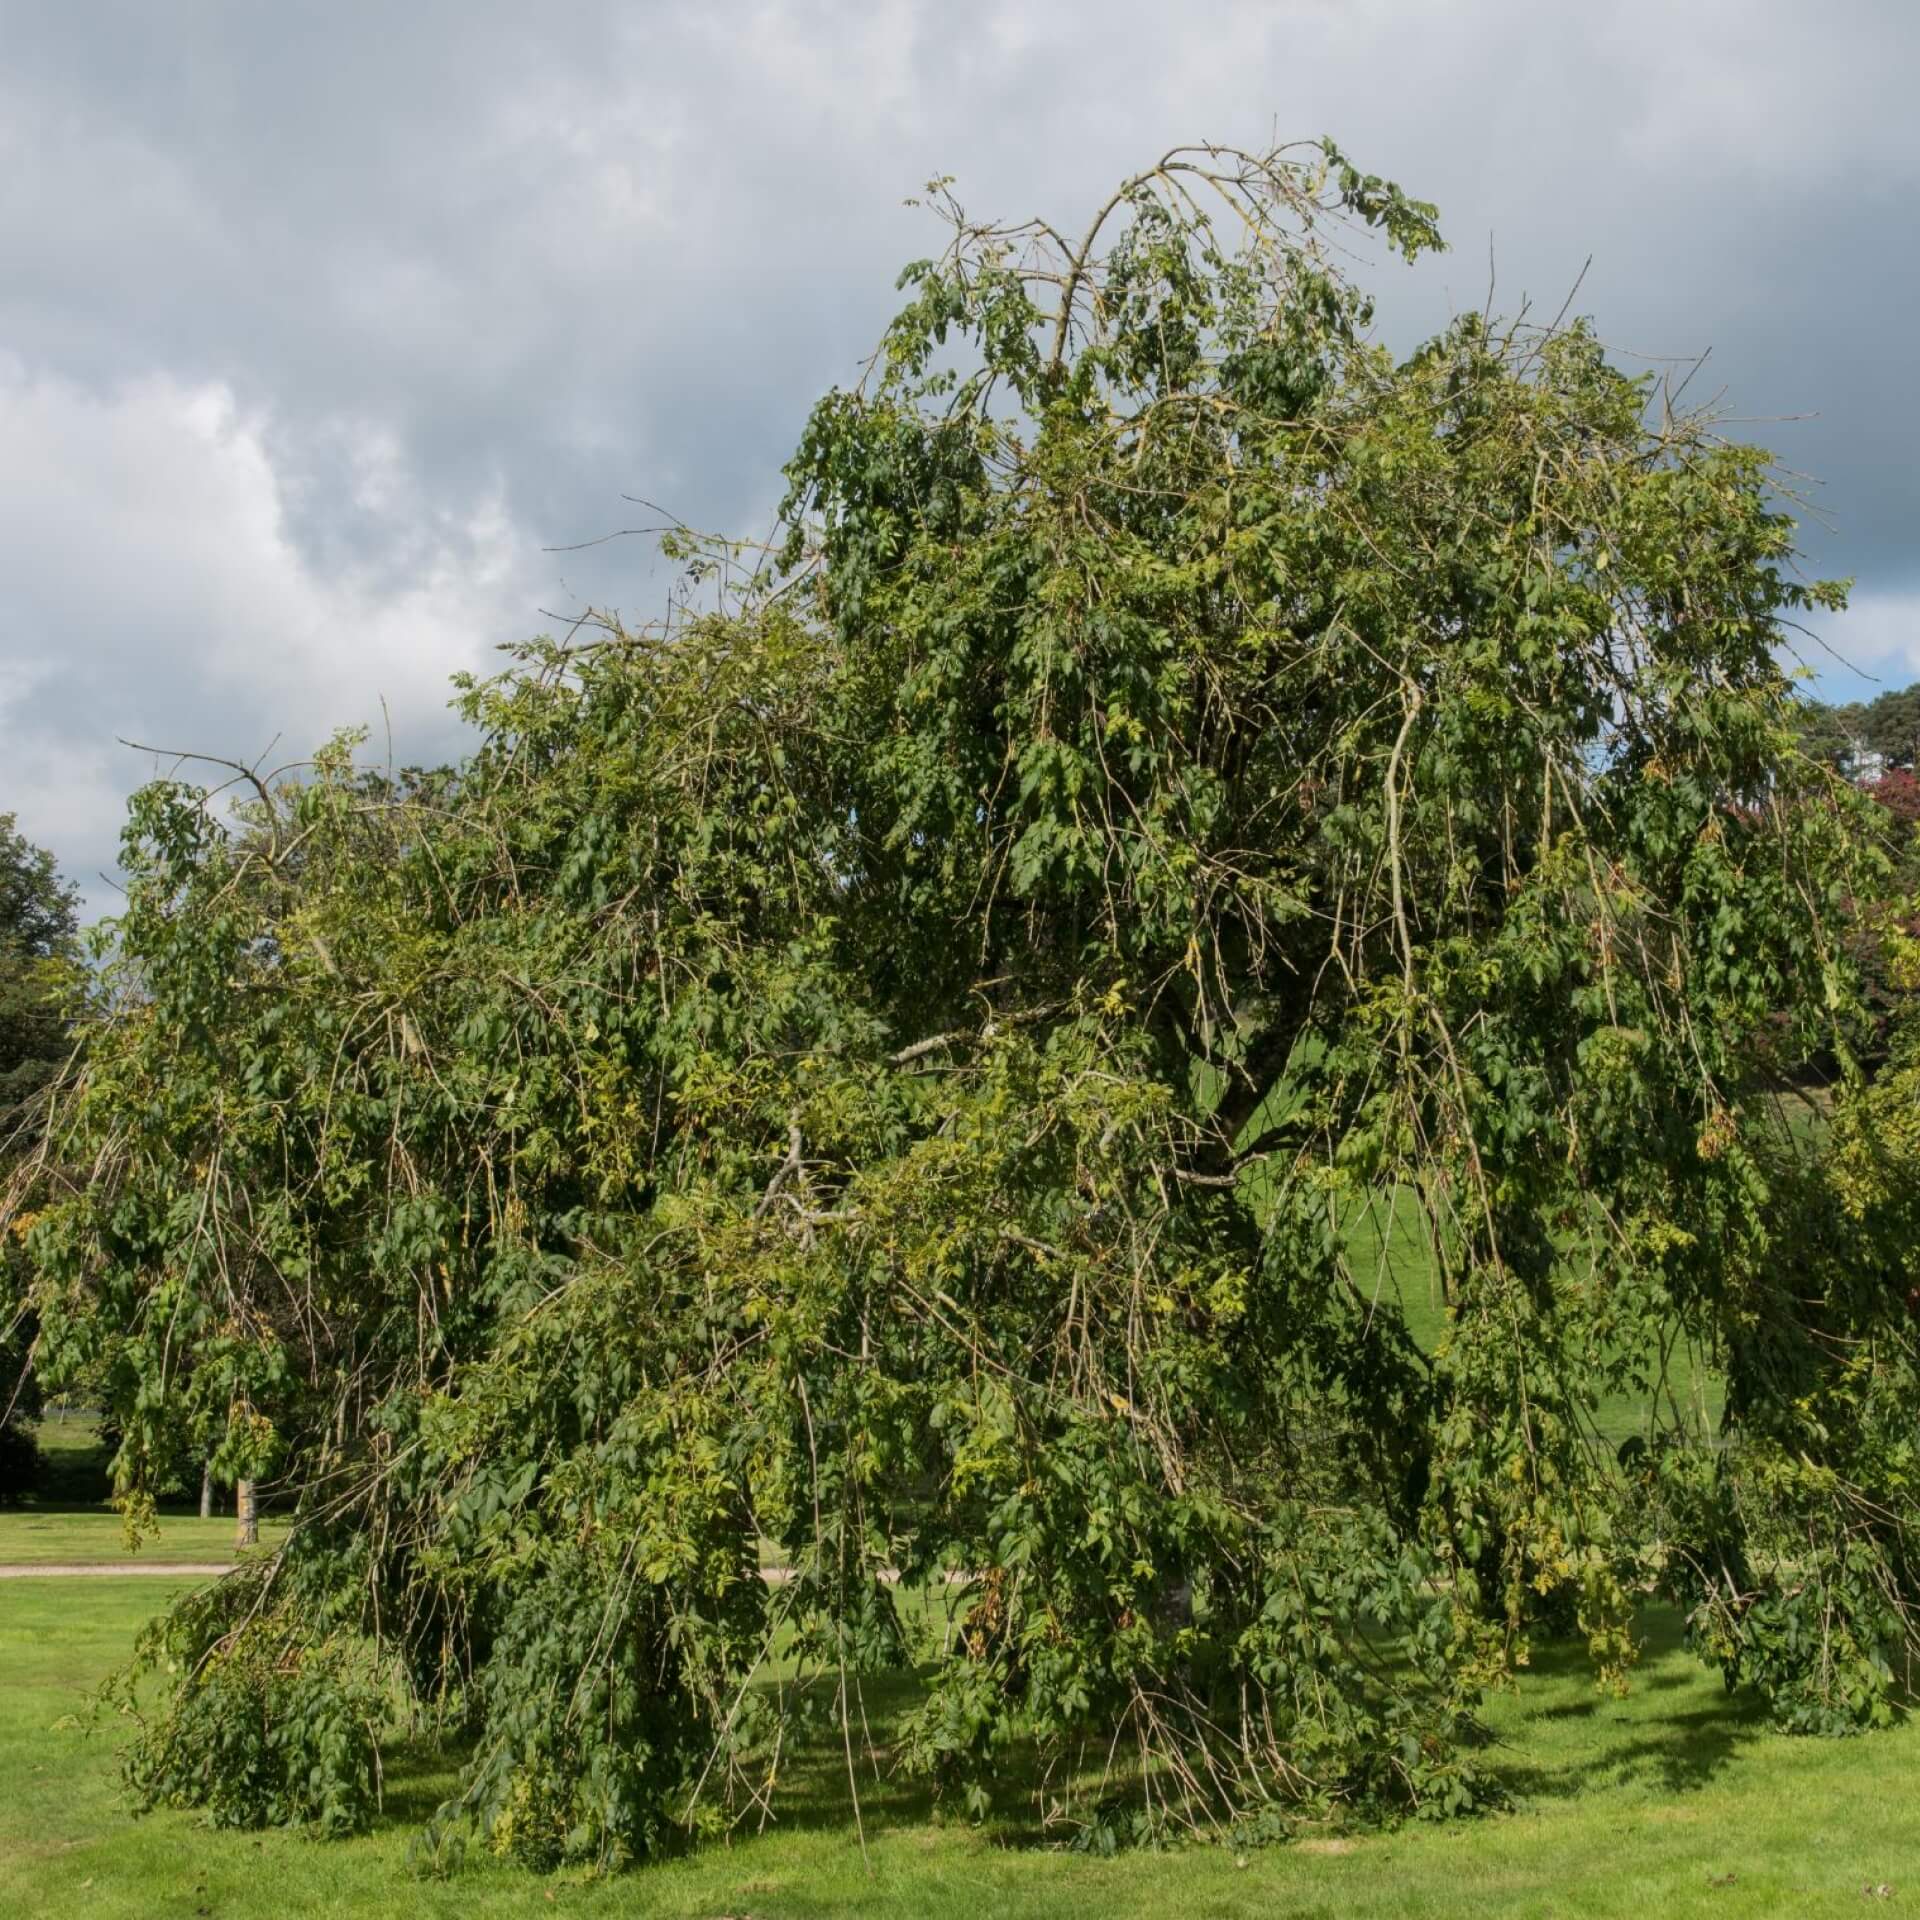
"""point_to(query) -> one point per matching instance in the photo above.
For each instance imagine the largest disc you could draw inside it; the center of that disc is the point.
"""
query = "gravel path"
(116, 1569)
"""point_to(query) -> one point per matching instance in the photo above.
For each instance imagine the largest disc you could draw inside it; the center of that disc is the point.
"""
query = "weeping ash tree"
(909, 1077)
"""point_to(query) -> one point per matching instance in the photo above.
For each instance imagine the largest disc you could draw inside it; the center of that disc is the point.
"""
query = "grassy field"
(71, 1521)
(1392, 1262)
(1675, 1801)
(44, 1536)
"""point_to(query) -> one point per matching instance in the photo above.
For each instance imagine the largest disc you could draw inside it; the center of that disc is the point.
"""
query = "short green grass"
(43, 1536)
(1675, 1801)
(1391, 1261)
(71, 1520)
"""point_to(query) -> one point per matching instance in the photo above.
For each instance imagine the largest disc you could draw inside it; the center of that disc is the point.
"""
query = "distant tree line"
(39, 971)
(1872, 743)
(1865, 739)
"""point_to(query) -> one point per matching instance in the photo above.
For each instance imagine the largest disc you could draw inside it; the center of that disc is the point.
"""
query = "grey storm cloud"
(321, 323)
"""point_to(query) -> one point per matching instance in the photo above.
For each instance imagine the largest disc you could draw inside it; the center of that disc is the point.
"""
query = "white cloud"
(321, 325)
(155, 593)
(1874, 645)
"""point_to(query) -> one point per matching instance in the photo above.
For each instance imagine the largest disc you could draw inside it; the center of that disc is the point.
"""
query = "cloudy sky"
(321, 323)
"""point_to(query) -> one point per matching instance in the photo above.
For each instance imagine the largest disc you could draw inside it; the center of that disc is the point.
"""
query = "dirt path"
(116, 1569)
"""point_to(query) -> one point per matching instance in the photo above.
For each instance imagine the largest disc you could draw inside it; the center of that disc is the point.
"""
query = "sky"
(322, 326)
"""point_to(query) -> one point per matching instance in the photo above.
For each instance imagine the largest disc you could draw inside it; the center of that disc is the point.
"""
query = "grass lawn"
(72, 1522)
(1675, 1801)
(45, 1536)
(1392, 1263)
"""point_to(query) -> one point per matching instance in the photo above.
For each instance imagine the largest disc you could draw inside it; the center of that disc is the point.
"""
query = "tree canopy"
(1881, 734)
(901, 1070)
(39, 925)
(38, 974)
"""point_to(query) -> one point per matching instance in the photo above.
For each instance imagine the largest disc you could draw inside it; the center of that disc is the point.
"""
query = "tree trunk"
(248, 1511)
(206, 1491)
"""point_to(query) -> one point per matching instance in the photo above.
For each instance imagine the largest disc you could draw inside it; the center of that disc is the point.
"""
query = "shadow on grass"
(76, 1477)
(1674, 1733)
(1583, 1745)
(73, 1474)
(420, 1777)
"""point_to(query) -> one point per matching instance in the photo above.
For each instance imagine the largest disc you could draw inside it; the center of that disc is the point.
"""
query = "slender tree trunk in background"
(248, 1534)
(206, 1491)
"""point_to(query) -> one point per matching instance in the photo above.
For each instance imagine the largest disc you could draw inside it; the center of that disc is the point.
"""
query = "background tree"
(1872, 737)
(39, 926)
(1871, 744)
(1892, 727)
(38, 973)
(907, 1065)
(1830, 734)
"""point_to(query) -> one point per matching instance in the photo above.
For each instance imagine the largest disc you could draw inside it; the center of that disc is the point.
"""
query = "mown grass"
(42, 1536)
(71, 1520)
(1392, 1263)
(1674, 1801)
(1677, 1800)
